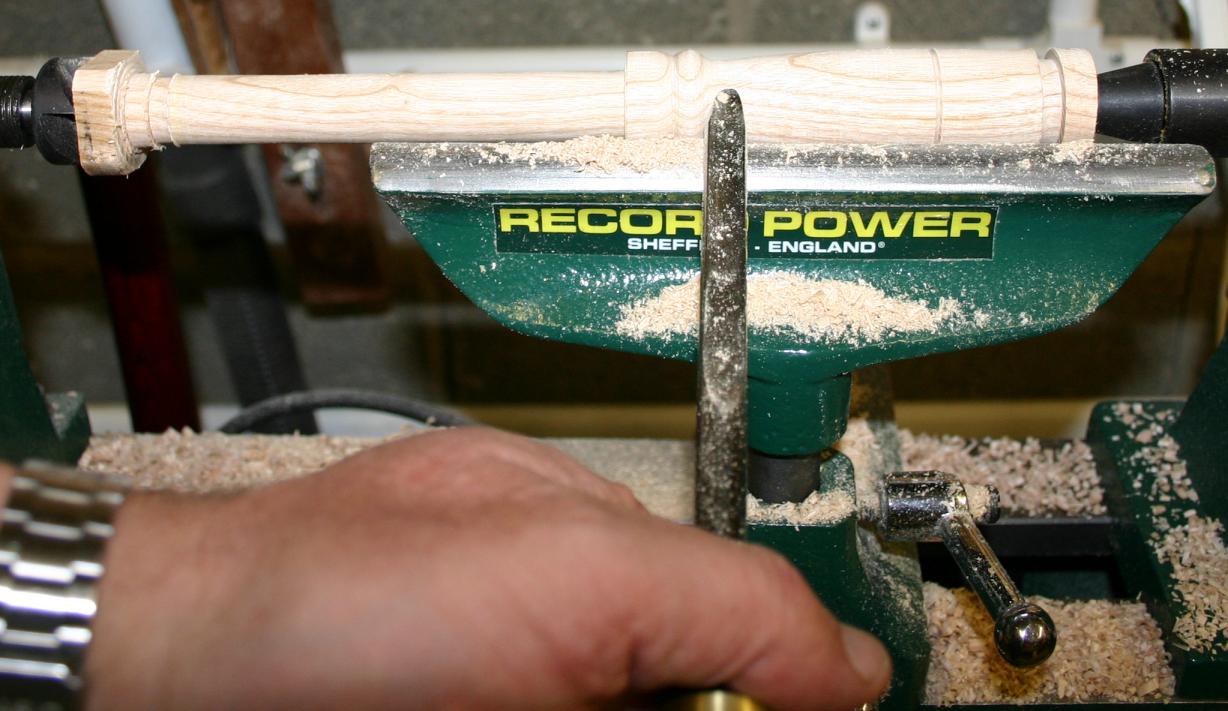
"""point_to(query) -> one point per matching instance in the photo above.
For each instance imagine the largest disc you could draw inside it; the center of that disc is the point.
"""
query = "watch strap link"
(53, 532)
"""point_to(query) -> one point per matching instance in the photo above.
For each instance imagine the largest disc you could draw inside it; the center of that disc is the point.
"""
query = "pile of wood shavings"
(606, 154)
(861, 447)
(1106, 651)
(818, 508)
(214, 462)
(1191, 544)
(821, 310)
(1195, 551)
(1072, 151)
(1031, 479)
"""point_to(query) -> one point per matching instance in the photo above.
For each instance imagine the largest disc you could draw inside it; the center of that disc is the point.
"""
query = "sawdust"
(214, 462)
(604, 154)
(1195, 552)
(826, 310)
(980, 501)
(1106, 651)
(660, 472)
(1031, 479)
(861, 447)
(1190, 544)
(1072, 152)
(818, 508)
(607, 154)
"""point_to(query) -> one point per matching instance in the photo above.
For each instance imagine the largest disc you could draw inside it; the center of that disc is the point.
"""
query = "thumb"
(715, 612)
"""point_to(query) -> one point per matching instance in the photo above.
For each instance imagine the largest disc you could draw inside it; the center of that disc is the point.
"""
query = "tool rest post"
(797, 418)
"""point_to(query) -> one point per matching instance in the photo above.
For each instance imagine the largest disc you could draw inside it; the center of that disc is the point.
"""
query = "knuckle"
(782, 577)
(624, 495)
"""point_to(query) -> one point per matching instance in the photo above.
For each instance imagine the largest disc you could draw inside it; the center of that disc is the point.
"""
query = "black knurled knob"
(16, 112)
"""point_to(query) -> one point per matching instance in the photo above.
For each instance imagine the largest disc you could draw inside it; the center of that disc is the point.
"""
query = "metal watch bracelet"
(54, 529)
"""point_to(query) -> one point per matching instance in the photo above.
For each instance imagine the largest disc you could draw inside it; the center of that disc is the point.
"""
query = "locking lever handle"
(934, 506)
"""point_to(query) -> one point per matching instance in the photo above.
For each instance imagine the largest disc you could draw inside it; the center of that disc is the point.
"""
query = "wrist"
(167, 574)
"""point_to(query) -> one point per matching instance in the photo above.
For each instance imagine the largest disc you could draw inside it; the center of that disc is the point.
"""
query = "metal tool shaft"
(721, 449)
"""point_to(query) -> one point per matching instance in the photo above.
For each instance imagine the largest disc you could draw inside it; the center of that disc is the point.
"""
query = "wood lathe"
(890, 204)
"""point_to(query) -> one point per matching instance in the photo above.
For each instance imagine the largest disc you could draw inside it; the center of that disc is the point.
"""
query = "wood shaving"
(212, 461)
(605, 154)
(1195, 552)
(1072, 152)
(1107, 650)
(979, 500)
(827, 310)
(861, 447)
(660, 472)
(819, 507)
(1032, 480)
(1189, 543)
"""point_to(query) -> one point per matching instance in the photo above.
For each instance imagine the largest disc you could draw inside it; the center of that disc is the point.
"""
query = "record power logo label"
(774, 231)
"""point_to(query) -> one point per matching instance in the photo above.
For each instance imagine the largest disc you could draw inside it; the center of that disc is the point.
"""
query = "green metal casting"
(54, 428)
(1127, 472)
(1060, 238)
(1065, 235)
(878, 589)
(1201, 431)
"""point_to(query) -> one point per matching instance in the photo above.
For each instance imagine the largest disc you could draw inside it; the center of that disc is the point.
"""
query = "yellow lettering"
(880, 221)
(510, 217)
(782, 220)
(692, 220)
(931, 224)
(974, 222)
(558, 219)
(838, 228)
(587, 225)
(652, 228)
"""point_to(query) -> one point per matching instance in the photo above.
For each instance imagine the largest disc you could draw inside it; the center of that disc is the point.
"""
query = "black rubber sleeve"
(312, 400)
(1174, 96)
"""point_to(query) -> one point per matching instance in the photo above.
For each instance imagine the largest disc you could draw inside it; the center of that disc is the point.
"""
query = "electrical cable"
(312, 400)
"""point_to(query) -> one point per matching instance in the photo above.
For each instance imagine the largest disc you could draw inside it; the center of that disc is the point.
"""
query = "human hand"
(458, 569)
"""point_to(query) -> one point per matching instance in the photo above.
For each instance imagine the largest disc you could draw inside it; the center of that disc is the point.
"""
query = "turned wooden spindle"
(845, 96)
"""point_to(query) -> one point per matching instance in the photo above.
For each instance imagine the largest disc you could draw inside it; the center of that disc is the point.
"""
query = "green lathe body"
(1024, 240)
(1014, 241)
(53, 427)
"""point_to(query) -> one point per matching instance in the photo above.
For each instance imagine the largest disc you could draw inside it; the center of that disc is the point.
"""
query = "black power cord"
(312, 400)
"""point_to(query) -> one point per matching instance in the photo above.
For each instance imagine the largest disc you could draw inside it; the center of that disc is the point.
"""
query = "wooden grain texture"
(865, 96)
(861, 96)
(1080, 91)
(364, 108)
(104, 137)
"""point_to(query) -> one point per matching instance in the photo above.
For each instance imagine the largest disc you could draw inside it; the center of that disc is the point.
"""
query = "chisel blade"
(721, 446)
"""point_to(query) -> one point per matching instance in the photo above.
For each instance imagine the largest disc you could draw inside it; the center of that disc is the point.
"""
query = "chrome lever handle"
(934, 506)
